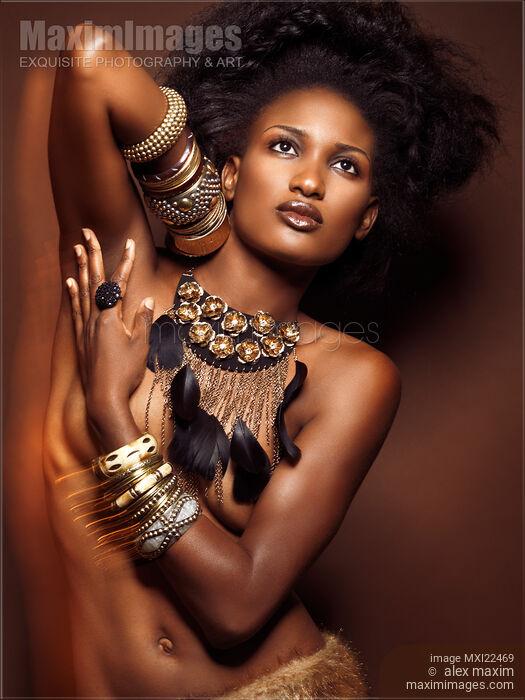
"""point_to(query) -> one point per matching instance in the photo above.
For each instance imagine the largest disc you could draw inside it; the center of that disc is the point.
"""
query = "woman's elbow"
(229, 630)
(85, 48)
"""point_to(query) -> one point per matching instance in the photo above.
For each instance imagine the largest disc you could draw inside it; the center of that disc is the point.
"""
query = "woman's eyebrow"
(300, 132)
(346, 147)
(293, 129)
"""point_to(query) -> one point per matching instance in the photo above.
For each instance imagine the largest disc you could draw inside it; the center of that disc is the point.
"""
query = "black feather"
(185, 394)
(289, 447)
(246, 452)
(253, 466)
(170, 351)
(247, 487)
(197, 445)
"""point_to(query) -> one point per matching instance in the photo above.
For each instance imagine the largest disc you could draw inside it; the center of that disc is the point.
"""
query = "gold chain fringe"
(227, 395)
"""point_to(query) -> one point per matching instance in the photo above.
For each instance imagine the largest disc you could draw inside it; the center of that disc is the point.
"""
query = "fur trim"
(333, 671)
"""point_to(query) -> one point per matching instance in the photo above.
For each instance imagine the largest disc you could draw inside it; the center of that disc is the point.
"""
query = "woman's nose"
(308, 181)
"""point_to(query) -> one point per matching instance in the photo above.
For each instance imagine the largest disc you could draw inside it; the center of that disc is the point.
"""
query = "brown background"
(430, 554)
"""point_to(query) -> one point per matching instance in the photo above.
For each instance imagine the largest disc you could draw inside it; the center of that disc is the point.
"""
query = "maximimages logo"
(38, 36)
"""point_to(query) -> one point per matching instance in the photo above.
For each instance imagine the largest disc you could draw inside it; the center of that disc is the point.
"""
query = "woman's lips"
(300, 215)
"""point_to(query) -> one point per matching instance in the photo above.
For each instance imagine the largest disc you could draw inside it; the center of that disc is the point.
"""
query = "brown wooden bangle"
(145, 172)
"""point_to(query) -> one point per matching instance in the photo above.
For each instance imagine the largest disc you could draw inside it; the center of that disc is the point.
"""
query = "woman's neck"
(249, 282)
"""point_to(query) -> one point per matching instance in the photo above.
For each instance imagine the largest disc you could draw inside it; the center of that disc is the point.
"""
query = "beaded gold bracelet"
(204, 226)
(164, 136)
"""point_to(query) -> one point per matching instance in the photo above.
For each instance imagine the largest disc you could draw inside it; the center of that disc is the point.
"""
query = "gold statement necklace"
(221, 372)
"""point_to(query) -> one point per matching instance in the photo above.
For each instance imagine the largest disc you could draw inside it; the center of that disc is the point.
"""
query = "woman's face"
(302, 189)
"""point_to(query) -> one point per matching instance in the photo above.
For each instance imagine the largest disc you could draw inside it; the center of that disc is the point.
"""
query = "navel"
(165, 644)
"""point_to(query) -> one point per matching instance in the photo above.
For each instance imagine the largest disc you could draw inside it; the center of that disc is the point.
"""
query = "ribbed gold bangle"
(154, 506)
(165, 135)
(197, 247)
(206, 225)
(142, 486)
(142, 500)
(139, 508)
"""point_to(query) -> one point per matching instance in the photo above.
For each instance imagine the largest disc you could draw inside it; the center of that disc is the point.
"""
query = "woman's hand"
(112, 358)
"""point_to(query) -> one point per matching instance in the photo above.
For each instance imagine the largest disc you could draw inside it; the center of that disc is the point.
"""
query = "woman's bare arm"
(233, 586)
(97, 106)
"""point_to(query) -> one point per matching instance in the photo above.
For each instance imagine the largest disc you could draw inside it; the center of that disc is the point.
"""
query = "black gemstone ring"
(107, 295)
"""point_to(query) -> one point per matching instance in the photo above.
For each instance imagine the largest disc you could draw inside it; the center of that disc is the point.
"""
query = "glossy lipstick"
(300, 215)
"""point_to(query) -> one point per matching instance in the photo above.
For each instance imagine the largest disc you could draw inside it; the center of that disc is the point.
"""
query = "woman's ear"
(229, 176)
(368, 220)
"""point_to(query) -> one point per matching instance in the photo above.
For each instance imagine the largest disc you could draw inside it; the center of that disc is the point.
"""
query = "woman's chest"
(229, 398)
(244, 410)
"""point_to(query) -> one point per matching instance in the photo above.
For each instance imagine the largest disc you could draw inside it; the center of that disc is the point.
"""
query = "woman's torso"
(131, 635)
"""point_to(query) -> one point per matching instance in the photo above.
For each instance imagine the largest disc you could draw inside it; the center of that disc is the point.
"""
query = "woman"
(319, 143)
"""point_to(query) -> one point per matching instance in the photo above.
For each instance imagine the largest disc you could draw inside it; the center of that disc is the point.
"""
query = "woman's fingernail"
(148, 303)
(69, 282)
(128, 243)
(87, 233)
(78, 250)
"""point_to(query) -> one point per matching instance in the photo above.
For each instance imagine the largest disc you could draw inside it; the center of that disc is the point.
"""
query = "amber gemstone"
(190, 291)
(248, 350)
(272, 345)
(201, 332)
(188, 311)
(263, 322)
(234, 322)
(213, 307)
(221, 346)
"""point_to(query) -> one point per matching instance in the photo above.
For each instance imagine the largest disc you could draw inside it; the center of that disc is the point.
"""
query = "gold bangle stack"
(165, 135)
(144, 510)
(121, 529)
(188, 198)
(185, 206)
(196, 215)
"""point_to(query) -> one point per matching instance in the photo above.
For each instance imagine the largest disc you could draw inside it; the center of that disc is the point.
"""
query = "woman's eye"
(283, 147)
(347, 166)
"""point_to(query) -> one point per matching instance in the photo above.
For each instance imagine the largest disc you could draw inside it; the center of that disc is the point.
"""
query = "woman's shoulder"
(345, 367)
